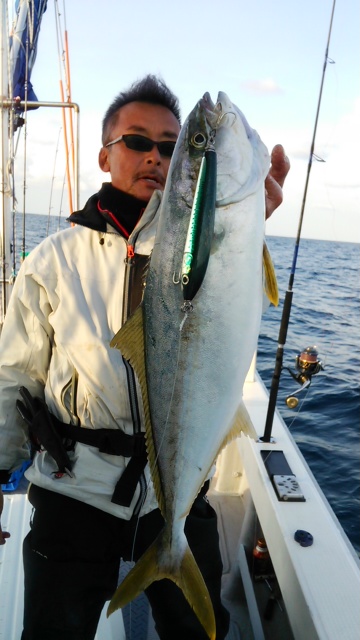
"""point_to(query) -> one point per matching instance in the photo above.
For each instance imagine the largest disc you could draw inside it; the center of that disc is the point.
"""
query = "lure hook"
(222, 115)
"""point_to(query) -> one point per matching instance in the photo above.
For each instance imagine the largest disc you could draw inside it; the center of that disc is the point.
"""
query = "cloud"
(264, 86)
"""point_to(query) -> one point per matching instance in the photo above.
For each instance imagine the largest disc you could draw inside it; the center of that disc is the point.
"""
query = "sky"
(267, 56)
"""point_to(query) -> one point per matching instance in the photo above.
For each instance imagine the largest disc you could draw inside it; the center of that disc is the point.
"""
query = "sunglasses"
(141, 143)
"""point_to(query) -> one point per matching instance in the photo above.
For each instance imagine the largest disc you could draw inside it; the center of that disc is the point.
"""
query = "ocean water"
(325, 313)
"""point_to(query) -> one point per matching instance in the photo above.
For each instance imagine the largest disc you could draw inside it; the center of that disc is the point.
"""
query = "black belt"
(47, 432)
(117, 443)
(111, 441)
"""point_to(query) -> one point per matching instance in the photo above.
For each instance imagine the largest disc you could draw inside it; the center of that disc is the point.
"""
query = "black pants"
(72, 558)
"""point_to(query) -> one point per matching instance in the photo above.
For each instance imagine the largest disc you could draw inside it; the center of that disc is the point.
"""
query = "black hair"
(150, 89)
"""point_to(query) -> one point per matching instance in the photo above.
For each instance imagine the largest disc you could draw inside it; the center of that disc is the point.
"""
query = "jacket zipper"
(131, 380)
(129, 261)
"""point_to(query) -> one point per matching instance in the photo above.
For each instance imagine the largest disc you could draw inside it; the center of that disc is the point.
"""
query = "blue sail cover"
(23, 46)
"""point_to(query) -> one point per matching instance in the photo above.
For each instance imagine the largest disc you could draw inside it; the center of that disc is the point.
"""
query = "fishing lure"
(201, 227)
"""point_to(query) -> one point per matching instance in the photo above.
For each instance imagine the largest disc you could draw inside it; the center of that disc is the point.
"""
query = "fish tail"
(189, 579)
(156, 565)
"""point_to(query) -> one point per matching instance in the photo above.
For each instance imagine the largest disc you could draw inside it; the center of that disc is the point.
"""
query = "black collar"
(110, 205)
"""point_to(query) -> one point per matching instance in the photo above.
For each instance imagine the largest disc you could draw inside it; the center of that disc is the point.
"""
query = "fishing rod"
(284, 324)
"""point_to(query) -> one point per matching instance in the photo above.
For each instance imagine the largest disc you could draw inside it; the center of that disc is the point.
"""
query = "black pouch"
(42, 432)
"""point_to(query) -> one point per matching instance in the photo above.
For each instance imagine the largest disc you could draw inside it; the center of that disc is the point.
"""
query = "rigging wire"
(29, 59)
(61, 201)
(10, 181)
(23, 239)
(289, 293)
(22, 26)
(64, 68)
(5, 190)
(10, 169)
(52, 184)
(18, 120)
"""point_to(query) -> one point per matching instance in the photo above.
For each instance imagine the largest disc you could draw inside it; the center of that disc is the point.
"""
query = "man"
(71, 296)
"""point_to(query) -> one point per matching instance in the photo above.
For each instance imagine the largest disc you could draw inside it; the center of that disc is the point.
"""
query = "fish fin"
(187, 577)
(270, 283)
(242, 423)
(137, 580)
(130, 341)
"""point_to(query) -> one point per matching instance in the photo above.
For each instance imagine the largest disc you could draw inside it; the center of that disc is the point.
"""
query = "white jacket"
(65, 308)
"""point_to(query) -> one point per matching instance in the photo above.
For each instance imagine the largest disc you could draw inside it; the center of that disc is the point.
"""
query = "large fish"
(191, 359)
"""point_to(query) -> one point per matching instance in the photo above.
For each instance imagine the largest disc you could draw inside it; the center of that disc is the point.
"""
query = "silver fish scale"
(196, 364)
(195, 376)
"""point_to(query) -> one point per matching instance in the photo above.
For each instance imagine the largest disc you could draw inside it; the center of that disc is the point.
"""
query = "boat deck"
(136, 622)
(320, 584)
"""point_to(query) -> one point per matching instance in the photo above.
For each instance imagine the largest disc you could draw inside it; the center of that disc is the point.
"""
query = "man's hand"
(275, 179)
(3, 534)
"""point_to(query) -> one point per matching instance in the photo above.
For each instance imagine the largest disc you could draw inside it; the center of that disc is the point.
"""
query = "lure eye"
(198, 140)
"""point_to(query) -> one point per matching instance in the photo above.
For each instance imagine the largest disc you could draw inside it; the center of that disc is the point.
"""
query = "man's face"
(136, 172)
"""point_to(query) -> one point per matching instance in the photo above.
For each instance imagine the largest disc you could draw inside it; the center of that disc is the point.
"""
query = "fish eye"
(198, 140)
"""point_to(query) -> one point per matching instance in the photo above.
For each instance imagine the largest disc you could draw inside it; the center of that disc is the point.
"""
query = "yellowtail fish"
(192, 339)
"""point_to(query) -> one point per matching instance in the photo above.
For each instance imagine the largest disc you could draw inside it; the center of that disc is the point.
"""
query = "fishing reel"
(307, 365)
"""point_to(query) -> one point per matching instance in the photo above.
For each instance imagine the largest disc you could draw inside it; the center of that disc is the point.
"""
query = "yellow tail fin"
(270, 283)
(187, 577)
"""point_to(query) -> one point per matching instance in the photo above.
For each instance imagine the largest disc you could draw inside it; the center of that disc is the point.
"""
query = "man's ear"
(103, 160)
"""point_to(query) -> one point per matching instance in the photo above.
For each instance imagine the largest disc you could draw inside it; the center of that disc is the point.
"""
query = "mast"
(17, 99)
(6, 222)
